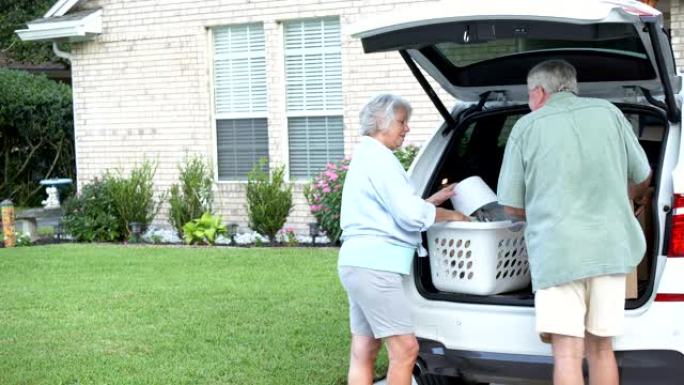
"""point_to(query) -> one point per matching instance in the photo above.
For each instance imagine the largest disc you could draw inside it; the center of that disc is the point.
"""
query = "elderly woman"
(382, 217)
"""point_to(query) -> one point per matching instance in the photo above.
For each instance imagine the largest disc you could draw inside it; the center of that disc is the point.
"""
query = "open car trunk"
(476, 147)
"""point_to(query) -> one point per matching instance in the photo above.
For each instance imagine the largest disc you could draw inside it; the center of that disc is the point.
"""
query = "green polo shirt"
(568, 165)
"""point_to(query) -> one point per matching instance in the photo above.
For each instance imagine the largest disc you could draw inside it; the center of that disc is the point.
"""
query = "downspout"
(67, 56)
(64, 55)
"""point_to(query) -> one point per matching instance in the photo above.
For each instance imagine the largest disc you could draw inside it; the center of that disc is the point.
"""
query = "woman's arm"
(443, 215)
(442, 195)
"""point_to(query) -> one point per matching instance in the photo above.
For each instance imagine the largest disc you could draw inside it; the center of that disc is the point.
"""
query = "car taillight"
(676, 248)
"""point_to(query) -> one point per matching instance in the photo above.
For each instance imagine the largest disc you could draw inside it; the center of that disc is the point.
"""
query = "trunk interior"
(477, 148)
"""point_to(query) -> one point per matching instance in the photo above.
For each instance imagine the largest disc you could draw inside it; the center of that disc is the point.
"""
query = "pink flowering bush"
(324, 195)
(287, 236)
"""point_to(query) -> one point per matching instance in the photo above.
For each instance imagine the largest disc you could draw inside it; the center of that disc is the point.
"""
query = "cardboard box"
(641, 273)
(632, 287)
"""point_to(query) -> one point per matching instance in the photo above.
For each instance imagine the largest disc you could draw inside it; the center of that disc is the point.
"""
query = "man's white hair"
(554, 76)
(379, 112)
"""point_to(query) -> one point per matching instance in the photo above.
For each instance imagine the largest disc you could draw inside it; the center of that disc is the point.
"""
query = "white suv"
(480, 52)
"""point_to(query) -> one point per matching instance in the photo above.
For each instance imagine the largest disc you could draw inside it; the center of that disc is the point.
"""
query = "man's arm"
(515, 212)
(639, 194)
(637, 191)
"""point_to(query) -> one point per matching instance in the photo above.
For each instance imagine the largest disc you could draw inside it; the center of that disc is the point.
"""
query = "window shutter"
(241, 143)
(240, 95)
(313, 84)
(313, 65)
(240, 69)
(314, 141)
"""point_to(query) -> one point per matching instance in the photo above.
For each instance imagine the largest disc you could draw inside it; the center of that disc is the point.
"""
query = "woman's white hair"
(379, 112)
(554, 76)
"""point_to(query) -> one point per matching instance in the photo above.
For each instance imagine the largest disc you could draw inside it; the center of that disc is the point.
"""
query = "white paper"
(471, 194)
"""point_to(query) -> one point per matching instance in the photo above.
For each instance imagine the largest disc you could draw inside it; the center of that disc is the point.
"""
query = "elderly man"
(567, 168)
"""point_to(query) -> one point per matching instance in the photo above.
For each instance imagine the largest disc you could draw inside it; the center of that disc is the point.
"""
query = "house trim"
(73, 28)
(61, 7)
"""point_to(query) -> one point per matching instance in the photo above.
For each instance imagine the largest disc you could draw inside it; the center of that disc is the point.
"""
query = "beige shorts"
(377, 303)
(595, 305)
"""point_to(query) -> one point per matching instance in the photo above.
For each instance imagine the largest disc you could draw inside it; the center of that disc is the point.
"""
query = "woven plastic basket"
(479, 258)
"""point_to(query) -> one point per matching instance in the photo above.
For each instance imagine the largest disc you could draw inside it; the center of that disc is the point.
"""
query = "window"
(461, 55)
(240, 99)
(313, 78)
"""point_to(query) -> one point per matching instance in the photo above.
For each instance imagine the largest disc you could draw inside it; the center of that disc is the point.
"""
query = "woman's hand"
(442, 195)
(444, 215)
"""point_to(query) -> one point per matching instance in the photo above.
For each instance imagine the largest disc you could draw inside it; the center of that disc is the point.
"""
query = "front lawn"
(106, 314)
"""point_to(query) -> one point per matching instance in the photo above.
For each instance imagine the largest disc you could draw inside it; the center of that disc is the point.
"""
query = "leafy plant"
(193, 195)
(324, 195)
(287, 236)
(406, 155)
(269, 200)
(23, 239)
(46, 231)
(133, 197)
(91, 216)
(106, 207)
(204, 229)
(36, 135)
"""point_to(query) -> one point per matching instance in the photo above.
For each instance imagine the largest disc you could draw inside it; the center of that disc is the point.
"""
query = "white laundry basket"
(479, 258)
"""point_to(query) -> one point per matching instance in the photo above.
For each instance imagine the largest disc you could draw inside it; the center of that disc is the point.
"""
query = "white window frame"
(217, 116)
(300, 113)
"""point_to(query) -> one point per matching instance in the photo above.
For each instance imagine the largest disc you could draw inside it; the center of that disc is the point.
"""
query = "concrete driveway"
(384, 382)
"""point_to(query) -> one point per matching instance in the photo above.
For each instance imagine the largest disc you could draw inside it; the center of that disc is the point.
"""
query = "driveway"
(384, 382)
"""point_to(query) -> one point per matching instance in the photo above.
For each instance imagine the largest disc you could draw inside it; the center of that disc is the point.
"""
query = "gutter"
(62, 54)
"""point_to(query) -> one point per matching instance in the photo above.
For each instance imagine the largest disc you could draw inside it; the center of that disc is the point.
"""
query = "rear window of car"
(461, 55)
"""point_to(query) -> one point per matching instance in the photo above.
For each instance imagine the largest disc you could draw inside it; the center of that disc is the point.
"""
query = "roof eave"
(72, 35)
(74, 31)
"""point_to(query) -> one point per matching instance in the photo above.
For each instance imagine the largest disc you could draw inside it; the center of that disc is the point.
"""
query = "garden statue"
(52, 201)
(52, 189)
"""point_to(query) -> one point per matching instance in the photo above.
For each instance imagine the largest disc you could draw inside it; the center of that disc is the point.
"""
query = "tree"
(36, 134)
(13, 15)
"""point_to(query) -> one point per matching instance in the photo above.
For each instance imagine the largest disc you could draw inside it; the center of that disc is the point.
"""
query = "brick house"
(232, 81)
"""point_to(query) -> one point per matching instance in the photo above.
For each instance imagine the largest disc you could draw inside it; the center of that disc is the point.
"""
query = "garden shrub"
(287, 236)
(324, 195)
(269, 200)
(204, 229)
(133, 196)
(105, 207)
(91, 215)
(36, 135)
(24, 239)
(193, 195)
(406, 155)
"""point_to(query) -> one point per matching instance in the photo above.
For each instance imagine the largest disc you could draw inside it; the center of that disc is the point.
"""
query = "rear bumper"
(637, 367)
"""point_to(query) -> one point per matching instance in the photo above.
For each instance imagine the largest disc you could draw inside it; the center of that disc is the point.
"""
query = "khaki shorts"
(595, 305)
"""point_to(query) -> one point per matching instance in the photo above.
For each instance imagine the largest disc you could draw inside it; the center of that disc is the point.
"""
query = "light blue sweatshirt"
(382, 216)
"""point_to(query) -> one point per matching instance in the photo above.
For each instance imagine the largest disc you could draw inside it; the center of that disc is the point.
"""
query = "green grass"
(105, 314)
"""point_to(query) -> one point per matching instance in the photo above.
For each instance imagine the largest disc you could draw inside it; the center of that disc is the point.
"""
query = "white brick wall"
(677, 31)
(142, 89)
